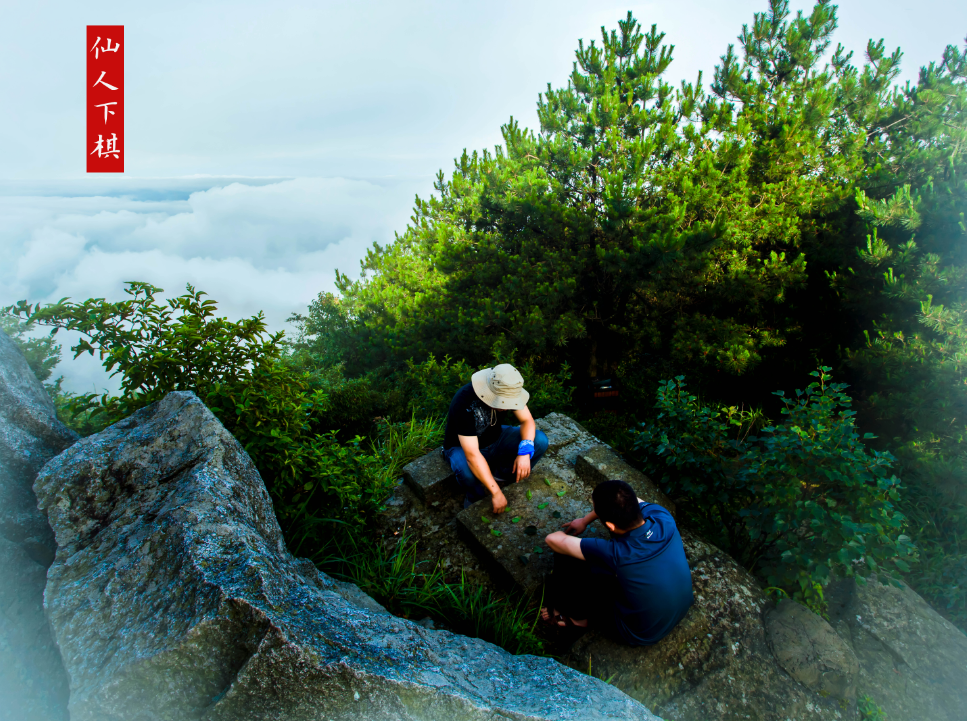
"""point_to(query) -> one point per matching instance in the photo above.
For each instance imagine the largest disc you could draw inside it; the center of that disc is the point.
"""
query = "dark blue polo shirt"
(654, 582)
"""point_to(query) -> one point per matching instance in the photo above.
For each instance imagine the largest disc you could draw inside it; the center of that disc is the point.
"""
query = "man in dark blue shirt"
(635, 587)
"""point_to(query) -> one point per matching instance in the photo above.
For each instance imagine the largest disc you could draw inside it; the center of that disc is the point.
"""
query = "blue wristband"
(525, 448)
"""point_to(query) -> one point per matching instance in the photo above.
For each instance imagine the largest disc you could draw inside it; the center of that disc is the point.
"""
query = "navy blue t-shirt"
(654, 581)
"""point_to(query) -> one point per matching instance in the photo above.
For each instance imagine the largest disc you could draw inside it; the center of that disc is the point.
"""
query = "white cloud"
(252, 248)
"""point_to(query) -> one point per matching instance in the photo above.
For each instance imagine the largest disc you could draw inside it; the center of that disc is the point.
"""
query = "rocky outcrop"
(33, 685)
(173, 596)
(809, 650)
(716, 664)
(735, 655)
(912, 661)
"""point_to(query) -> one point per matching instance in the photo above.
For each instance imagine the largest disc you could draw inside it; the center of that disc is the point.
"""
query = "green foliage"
(42, 354)
(796, 502)
(908, 293)
(640, 219)
(868, 709)
(938, 526)
(432, 384)
(152, 350)
(375, 469)
(393, 577)
(236, 370)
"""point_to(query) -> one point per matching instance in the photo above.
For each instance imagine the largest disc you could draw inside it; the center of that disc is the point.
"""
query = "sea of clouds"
(252, 244)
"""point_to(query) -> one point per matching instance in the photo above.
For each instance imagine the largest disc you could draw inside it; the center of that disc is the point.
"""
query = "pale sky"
(269, 143)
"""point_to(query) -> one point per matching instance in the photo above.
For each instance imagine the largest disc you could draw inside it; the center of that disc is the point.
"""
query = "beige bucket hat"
(500, 387)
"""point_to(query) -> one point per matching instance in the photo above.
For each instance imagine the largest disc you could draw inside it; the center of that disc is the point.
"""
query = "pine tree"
(640, 221)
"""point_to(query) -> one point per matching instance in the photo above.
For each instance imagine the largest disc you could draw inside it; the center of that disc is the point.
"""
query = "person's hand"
(522, 467)
(575, 527)
(499, 502)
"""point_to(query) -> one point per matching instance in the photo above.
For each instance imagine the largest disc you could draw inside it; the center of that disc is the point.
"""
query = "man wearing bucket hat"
(483, 452)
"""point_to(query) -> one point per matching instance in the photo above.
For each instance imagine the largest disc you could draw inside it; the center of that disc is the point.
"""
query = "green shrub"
(868, 709)
(236, 369)
(42, 354)
(795, 503)
(394, 578)
(354, 405)
(433, 383)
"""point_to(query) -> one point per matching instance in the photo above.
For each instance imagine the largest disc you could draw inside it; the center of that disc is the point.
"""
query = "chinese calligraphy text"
(105, 99)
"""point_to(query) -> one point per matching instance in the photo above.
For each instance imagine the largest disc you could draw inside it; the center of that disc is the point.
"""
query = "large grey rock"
(716, 664)
(913, 662)
(810, 651)
(566, 439)
(33, 685)
(173, 597)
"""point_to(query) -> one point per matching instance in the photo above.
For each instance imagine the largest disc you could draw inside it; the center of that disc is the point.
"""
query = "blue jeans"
(500, 456)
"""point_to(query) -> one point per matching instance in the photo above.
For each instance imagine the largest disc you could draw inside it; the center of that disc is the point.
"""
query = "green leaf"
(538, 550)
(484, 519)
(515, 519)
(495, 532)
(529, 494)
(542, 505)
(561, 493)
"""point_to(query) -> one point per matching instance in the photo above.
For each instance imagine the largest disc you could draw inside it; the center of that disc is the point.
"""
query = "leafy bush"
(354, 406)
(236, 369)
(797, 502)
(868, 709)
(434, 384)
(42, 354)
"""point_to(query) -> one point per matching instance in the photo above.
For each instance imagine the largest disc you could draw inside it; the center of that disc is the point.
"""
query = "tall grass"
(413, 589)
(397, 444)
(393, 576)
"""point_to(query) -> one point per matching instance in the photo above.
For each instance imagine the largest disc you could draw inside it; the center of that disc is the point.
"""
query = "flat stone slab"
(600, 463)
(563, 431)
(517, 547)
(430, 477)
(566, 440)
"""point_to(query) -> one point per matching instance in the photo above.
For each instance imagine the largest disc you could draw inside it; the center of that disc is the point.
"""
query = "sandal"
(554, 621)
